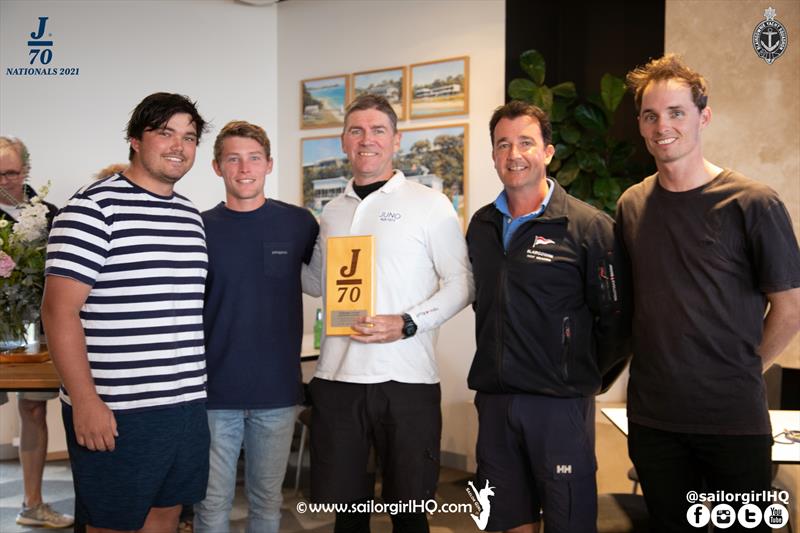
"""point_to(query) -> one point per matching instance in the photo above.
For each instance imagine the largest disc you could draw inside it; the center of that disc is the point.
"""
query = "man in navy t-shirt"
(253, 325)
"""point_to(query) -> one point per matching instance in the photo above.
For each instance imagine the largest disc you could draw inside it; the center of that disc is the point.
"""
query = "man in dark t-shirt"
(708, 250)
(253, 322)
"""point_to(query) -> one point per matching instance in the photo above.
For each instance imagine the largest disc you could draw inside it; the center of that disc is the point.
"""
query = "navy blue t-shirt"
(253, 315)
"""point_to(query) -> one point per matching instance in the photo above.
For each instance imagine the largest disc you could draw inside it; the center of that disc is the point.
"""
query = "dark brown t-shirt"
(702, 261)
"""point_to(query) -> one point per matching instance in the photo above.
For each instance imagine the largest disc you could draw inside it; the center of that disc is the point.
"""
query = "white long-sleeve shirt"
(421, 268)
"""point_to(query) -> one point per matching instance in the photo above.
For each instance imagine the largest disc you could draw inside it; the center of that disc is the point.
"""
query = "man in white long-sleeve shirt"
(379, 388)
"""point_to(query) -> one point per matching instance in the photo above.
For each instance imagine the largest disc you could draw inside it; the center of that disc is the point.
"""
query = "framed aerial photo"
(389, 83)
(323, 101)
(437, 157)
(325, 171)
(440, 88)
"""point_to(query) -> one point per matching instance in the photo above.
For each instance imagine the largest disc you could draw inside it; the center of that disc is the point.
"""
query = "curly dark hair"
(155, 111)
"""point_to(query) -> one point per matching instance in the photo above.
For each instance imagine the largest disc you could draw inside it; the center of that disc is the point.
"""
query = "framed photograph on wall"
(323, 101)
(325, 171)
(437, 157)
(440, 88)
(389, 83)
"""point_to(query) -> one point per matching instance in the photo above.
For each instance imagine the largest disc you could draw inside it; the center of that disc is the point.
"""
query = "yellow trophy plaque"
(350, 278)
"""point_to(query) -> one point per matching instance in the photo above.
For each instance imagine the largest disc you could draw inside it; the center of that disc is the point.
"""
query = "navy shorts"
(538, 454)
(160, 460)
(401, 422)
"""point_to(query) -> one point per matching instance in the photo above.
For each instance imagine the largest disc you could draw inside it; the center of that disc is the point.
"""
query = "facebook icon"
(698, 515)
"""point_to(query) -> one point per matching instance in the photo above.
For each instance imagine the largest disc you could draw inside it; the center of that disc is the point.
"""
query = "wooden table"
(39, 376)
(42, 376)
(781, 421)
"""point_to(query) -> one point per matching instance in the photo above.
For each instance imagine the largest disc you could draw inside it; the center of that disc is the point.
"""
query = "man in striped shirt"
(123, 302)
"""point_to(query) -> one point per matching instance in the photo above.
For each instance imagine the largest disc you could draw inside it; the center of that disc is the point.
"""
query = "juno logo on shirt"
(389, 216)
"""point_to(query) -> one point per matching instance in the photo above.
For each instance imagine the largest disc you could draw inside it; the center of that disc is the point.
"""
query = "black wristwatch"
(409, 327)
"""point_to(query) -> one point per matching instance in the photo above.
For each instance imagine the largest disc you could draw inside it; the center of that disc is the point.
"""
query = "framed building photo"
(440, 88)
(389, 83)
(325, 171)
(437, 157)
(323, 101)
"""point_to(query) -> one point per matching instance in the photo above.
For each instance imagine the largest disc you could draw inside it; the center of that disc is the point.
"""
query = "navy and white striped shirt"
(145, 258)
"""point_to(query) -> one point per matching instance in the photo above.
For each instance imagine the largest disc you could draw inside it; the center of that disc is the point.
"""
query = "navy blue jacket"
(551, 313)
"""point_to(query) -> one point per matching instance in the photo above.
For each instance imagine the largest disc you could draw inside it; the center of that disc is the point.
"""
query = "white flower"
(32, 222)
(44, 189)
(4, 223)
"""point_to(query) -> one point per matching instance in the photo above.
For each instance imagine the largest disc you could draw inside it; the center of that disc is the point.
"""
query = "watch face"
(409, 328)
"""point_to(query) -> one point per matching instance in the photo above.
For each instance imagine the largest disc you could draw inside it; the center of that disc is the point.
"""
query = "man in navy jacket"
(549, 324)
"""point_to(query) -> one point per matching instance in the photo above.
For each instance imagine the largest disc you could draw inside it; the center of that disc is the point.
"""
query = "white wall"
(328, 38)
(218, 52)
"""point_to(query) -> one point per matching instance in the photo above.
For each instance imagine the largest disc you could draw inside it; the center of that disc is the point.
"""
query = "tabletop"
(781, 422)
(29, 376)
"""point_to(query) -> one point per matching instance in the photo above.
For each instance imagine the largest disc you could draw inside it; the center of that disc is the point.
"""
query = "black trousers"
(402, 422)
(670, 465)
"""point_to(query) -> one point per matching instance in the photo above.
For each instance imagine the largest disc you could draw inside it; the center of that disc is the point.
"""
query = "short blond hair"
(240, 128)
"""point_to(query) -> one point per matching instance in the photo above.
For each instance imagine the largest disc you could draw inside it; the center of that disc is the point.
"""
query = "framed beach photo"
(389, 83)
(440, 88)
(325, 171)
(323, 101)
(437, 157)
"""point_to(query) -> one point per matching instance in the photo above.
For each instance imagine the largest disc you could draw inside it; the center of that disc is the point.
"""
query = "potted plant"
(589, 162)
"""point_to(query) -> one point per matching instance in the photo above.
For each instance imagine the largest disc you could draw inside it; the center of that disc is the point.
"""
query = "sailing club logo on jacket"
(539, 255)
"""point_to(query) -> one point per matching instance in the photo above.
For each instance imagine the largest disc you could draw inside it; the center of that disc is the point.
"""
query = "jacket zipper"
(500, 311)
(566, 338)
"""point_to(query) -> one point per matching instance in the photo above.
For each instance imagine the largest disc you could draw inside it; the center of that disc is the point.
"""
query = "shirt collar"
(397, 179)
(501, 202)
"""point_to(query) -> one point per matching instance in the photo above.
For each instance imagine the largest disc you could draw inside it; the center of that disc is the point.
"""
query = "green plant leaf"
(566, 90)
(590, 161)
(602, 169)
(620, 154)
(563, 151)
(581, 187)
(544, 98)
(568, 173)
(522, 89)
(590, 118)
(606, 189)
(532, 62)
(612, 89)
(560, 109)
(554, 165)
(570, 134)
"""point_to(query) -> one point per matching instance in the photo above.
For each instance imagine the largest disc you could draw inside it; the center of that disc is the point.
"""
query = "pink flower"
(6, 265)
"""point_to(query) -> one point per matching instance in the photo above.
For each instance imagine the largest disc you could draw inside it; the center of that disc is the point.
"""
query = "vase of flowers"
(23, 247)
